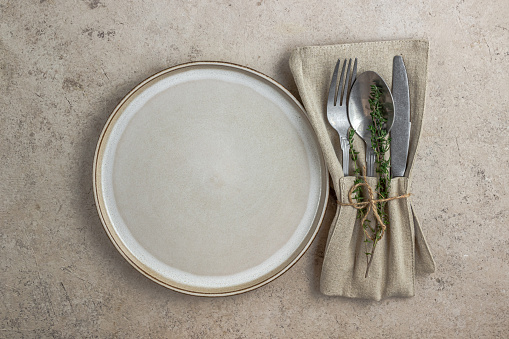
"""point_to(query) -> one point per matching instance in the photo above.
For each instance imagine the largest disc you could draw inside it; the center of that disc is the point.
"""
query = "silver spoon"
(359, 111)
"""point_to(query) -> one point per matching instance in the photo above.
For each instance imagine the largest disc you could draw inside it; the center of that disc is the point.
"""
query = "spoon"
(359, 111)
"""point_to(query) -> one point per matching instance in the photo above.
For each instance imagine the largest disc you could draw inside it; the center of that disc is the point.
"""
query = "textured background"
(64, 65)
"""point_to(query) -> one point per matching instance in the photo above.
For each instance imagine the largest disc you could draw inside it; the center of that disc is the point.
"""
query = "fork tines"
(343, 87)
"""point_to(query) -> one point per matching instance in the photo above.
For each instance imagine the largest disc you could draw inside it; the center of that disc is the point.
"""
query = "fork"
(337, 107)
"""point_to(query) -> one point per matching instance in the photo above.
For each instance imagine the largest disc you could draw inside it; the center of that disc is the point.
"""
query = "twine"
(370, 203)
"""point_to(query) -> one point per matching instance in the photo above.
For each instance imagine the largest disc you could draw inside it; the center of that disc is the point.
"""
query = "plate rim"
(99, 203)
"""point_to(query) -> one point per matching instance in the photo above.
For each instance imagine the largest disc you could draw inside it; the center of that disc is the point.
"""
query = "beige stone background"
(64, 65)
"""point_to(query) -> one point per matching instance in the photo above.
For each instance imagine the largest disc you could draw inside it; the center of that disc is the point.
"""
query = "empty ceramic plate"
(209, 179)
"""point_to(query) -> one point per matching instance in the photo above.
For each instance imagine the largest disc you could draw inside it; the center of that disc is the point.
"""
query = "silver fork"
(337, 107)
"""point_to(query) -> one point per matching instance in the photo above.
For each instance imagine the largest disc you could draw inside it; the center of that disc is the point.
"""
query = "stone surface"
(64, 65)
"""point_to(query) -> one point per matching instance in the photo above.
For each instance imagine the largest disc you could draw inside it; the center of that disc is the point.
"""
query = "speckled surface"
(64, 65)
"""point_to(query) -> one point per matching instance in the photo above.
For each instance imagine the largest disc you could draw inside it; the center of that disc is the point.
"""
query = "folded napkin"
(403, 249)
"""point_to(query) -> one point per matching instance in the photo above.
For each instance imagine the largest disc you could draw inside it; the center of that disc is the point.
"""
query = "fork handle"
(345, 147)
(370, 161)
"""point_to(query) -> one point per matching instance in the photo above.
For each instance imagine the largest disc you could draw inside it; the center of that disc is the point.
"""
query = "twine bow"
(370, 203)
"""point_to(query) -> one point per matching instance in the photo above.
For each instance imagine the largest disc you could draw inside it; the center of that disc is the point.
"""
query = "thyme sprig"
(380, 143)
(358, 194)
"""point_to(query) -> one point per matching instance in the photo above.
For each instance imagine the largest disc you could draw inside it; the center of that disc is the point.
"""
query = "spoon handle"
(370, 161)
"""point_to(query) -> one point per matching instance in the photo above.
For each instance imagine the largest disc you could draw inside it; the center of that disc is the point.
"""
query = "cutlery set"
(348, 106)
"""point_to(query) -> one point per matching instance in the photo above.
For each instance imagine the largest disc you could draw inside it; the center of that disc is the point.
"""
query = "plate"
(209, 179)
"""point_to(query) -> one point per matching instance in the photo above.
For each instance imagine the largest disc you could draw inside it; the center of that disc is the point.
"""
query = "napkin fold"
(403, 250)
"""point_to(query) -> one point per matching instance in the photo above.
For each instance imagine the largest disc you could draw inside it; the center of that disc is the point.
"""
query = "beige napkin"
(403, 249)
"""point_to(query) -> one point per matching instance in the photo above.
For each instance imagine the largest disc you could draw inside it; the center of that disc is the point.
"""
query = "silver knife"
(400, 132)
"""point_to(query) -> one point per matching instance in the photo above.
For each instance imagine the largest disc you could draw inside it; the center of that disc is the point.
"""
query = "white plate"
(209, 179)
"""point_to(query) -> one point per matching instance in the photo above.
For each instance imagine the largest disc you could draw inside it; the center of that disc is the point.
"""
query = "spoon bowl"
(359, 112)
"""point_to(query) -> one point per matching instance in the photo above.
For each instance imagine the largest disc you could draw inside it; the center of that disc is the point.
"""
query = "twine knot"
(370, 203)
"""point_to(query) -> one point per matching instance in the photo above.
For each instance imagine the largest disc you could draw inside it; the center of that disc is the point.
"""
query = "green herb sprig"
(358, 194)
(380, 143)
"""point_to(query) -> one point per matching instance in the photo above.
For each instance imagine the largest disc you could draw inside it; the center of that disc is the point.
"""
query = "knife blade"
(400, 132)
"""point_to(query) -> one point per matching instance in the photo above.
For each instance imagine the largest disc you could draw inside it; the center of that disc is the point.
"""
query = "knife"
(400, 132)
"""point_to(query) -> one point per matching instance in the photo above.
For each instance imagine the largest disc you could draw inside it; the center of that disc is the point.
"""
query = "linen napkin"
(403, 250)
